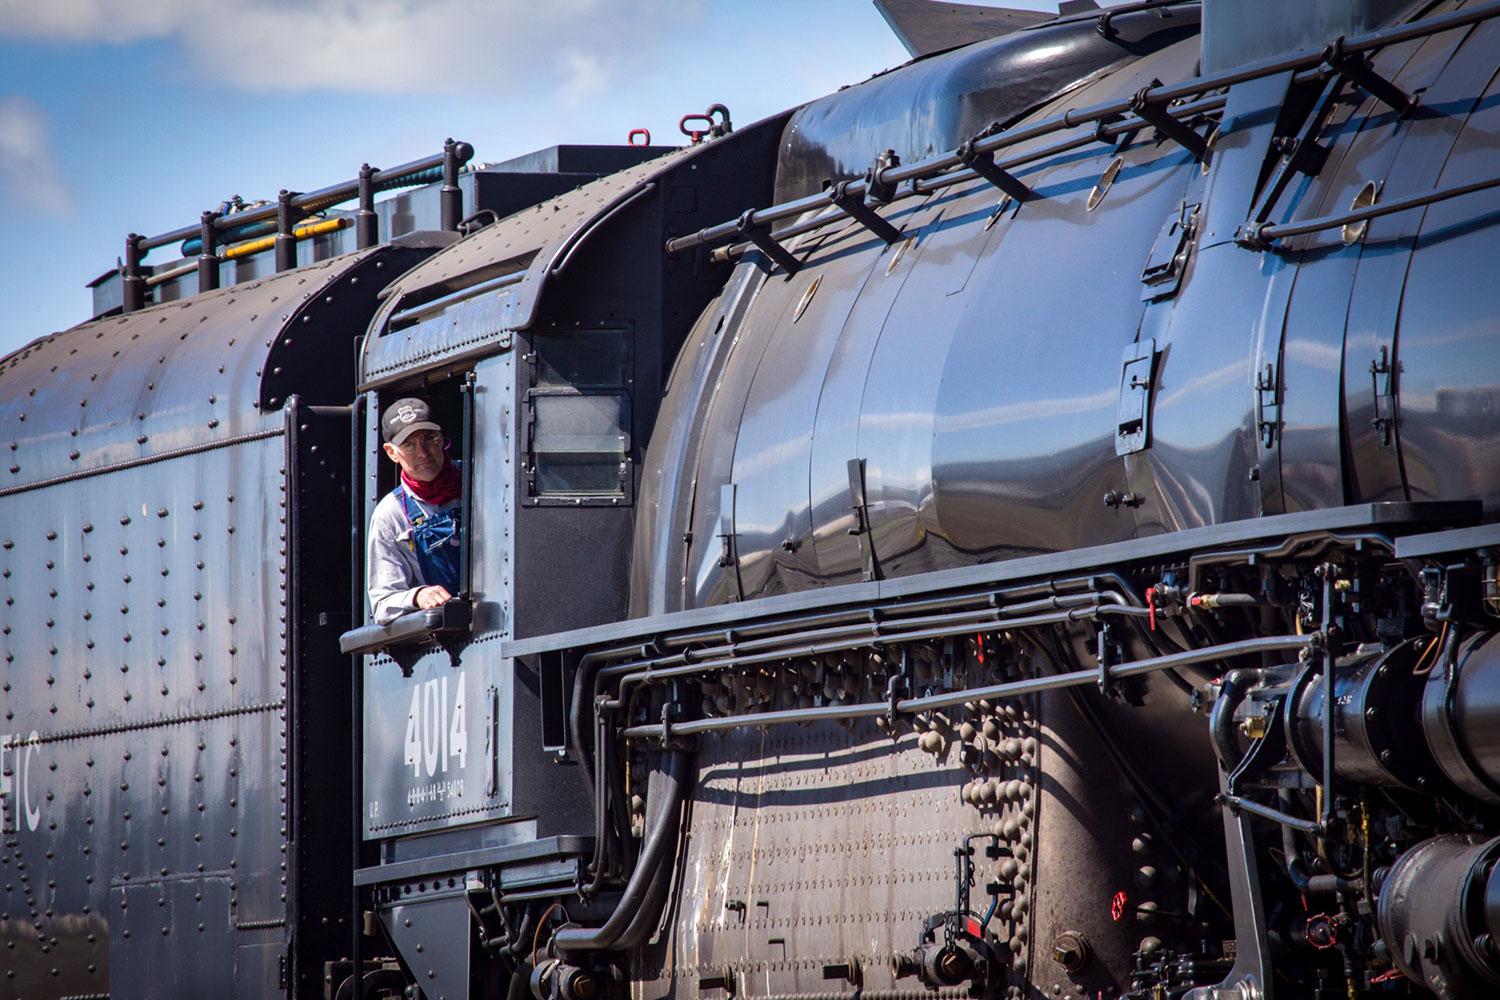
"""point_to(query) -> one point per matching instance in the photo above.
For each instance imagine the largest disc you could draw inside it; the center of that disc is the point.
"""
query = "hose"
(1236, 685)
(643, 880)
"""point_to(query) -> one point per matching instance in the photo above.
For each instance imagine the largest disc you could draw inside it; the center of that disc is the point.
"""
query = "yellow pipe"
(299, 233)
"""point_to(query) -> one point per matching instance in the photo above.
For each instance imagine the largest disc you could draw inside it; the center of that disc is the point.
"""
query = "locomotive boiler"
(1020, 526)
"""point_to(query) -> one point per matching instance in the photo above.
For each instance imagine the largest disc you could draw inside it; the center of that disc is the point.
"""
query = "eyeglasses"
(422, 441)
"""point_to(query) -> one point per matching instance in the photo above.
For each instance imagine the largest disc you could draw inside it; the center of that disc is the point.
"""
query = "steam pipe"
(1009, 689)
(653, 855)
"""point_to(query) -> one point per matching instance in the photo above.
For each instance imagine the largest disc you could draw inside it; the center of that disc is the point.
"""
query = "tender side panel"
(144, 697)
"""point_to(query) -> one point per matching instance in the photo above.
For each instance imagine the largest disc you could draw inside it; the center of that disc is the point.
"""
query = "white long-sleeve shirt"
(392, 573)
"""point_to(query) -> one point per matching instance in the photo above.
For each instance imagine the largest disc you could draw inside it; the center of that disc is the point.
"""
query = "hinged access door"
(1137, 377)
(1169, 255)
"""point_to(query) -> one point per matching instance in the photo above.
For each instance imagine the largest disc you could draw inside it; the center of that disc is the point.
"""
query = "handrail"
(290, 208)
(310, 201)
(1153, 101)
(1263, 235)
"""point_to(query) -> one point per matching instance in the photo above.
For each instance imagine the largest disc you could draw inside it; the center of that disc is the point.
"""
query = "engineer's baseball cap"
(404, 416)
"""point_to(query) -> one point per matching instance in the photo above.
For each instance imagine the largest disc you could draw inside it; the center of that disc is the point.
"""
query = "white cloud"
(584, 76)
(577, 47)
(29, 171)
(87, 20)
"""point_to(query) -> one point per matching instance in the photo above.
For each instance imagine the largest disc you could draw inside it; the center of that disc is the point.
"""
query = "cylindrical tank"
(1010, 379)
(1439, 914)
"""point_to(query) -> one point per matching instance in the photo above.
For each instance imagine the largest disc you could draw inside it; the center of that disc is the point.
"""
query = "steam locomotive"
(1014, 527)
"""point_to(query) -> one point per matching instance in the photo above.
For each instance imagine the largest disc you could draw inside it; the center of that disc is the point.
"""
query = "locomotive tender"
(1045, 543)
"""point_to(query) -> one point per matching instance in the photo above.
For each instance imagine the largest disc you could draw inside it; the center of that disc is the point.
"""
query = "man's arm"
(394, 578)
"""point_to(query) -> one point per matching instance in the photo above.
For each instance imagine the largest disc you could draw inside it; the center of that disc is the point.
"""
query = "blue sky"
(120, 117)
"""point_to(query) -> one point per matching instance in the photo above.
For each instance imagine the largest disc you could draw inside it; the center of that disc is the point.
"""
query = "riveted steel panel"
(820, 845)
(434, 936)
(156, 924)
(143, 695)
(175, 376)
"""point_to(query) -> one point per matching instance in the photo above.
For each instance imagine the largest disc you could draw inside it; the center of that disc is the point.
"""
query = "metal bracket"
(854, 206)
(1167, 125)
(1106, 659)
(861, 530)
(880, 190)
(1360, 71)
(1267, 405)
(1300, 154)
(1384, 421)
(984, 165)
(746, 228)
(728, 556)
(1264, 753)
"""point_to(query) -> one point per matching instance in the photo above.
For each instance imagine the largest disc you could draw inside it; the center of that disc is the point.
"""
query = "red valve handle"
(692, 133)
(644, 133)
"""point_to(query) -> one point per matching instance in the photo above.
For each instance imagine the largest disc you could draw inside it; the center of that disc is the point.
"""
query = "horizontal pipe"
(1161, 96)
(887, 630)
(925, 186)
(250, 247)
(162, 277)
(1238, 804)
(337, 192)
(960, 626)
(1268, 234)
(1008, 689)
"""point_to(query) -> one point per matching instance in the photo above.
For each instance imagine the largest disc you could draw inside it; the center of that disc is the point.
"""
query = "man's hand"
(431, 597)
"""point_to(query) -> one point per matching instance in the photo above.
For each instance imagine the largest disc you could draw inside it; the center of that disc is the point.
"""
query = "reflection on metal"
(807, 297)
(1353, 232)
(1106, 180)
(860, 507)
(901, 249)
(1208, 150)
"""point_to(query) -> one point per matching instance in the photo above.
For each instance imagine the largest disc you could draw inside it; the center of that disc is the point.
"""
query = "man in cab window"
(416, 530)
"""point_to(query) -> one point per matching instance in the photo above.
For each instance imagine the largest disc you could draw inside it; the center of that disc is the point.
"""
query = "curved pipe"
(649, 912)
(1236, 685)
(659, 840)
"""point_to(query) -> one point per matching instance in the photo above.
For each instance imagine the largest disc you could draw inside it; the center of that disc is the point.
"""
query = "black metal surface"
(1433, 919)
(1310, 62)
(434, 933)
(1459, 711)
(982, 482)
(936, 103)
(183, 712)
(447, 864)
(1394, 518)
(1443, 542)
(156, 382)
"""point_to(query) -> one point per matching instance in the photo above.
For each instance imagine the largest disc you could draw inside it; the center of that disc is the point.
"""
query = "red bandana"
(440, 490)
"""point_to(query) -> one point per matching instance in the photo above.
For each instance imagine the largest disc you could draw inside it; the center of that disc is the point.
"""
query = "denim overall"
(435, 541)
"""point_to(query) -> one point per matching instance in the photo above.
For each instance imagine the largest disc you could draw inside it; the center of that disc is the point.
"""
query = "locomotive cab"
(542, 343)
